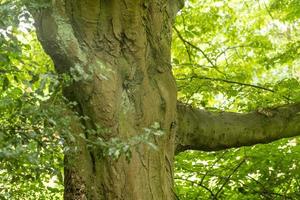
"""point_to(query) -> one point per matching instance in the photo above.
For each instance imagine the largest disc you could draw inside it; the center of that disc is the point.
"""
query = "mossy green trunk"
(119, 53)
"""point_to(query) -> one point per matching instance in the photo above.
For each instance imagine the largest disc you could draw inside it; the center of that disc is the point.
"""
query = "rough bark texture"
(208, 131)
(119, 53)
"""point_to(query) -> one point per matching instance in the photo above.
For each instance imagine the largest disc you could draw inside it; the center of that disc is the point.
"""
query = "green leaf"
(5, 83)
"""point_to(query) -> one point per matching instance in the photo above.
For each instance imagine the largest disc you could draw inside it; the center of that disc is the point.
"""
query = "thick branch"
(209, 131)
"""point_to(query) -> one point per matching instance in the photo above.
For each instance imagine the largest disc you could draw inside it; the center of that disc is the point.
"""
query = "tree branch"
(228, 81)
(210, 131)
(228, 177)
(200, 185)
(194, 47)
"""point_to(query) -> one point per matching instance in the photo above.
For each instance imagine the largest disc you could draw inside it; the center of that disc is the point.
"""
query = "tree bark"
(118, 53)
(209, 131)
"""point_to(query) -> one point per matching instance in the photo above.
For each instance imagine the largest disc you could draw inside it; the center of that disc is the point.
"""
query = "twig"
(200, 185)
(219, 158)
(194, 46)
(186, 47)
(228, 177)
(234, 82)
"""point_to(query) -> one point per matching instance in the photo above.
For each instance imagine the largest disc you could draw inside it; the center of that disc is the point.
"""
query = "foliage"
(261, 172)
(238, 56)
(236, 52)
(116, 147)
(30, 141)
(227, 55)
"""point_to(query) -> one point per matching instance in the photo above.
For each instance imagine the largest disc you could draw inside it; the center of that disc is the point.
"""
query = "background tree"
(113, 62)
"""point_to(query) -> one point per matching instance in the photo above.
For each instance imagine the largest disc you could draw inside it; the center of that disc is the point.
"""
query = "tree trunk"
(118, 53)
